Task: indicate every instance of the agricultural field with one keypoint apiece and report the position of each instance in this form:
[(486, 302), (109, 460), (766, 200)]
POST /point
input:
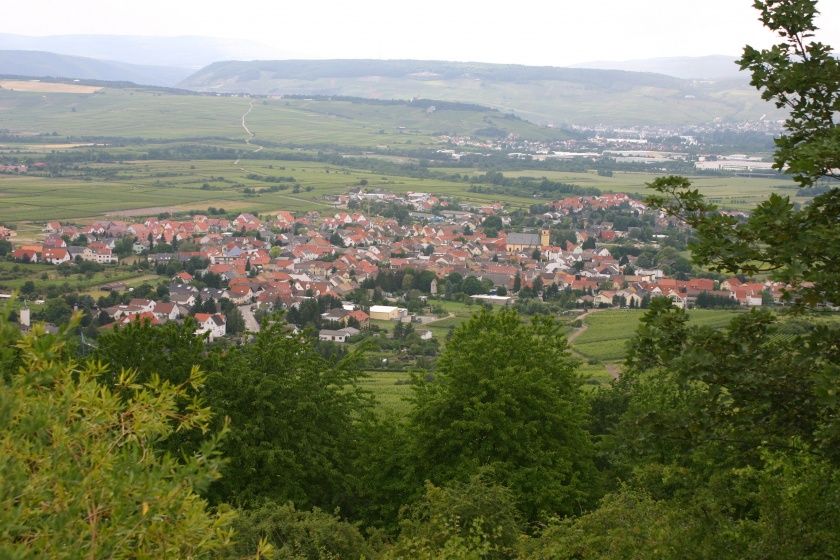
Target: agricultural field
[(151, 114), (738, 193), (608, 331), (151, 187), (14, 275), (148, 187), (390, 389)]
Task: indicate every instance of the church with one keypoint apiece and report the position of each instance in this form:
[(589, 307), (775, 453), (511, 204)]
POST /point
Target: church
[(517, 242)]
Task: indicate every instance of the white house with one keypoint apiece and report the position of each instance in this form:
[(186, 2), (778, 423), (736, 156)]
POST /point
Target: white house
[(340, 335), (215, 325)]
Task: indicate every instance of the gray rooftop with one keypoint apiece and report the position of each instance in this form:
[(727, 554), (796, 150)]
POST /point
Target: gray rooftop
[(523, 239)]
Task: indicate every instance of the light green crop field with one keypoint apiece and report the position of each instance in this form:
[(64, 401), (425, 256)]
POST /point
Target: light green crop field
[(608, 331), (390, 389)]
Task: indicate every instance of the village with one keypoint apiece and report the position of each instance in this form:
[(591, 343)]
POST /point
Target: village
[(279, 261)]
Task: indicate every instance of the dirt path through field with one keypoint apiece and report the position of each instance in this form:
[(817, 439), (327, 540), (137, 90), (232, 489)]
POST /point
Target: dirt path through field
[(584, 327), (612, 368), (249, 135), (250, 143)]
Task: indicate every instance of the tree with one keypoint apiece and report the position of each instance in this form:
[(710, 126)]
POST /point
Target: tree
[(28, 288), (517, 283), (335, 239), (589, 243), (169, 352), (537, 285), (798, 246), (479, 515), (506, 398), (296, 535), (728, 441), (124, 247), (293, 418), (472, 286), (80, 474), (235, 322)]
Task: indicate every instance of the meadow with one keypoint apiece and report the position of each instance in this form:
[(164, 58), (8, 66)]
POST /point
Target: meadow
[(132, 122), (390, 390)]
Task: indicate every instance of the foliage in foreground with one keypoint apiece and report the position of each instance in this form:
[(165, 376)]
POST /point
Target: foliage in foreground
[(79, 470)]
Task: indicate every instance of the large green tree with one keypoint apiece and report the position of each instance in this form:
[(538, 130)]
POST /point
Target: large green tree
[(293, 421), (506, 397)]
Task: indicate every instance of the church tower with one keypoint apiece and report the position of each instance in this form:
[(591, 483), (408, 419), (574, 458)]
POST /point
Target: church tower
[(545, 237)]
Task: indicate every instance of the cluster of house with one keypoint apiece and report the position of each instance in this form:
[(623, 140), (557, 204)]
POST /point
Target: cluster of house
[(282, 259), (179, 305), (55, 250)]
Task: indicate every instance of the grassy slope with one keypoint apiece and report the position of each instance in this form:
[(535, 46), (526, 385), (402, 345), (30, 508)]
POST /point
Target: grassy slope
[(138, 114), (538, 94)]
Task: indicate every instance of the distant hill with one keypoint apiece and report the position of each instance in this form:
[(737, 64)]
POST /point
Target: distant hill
[(182, 52), (714, 67), (545, 95), (121, 110), (42, 64)]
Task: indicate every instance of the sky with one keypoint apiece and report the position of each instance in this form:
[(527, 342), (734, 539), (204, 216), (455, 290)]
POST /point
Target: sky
[(544, 32)]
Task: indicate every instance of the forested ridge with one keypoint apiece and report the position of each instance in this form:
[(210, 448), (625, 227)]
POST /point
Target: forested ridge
[(719, 444)]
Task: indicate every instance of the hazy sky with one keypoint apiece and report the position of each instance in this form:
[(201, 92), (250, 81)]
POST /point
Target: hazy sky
[(550, 32)]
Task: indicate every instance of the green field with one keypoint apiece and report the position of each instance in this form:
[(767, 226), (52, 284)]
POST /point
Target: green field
[(741, 193), (128, 113), (569, 97), (608, 331), (148, 120), (390, 389), (150, 187), (14, 275)]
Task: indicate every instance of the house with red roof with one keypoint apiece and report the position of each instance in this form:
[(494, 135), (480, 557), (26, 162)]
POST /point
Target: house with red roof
[(214, 325), (55, 255)]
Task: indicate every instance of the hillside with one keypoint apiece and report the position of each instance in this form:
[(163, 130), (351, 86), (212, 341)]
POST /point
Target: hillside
[(129, 112), (713, 67), (546, 95), (181, 52), (40, 63)]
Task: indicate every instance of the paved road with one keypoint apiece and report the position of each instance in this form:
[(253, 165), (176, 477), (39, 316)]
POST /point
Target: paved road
[(251, 323)]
